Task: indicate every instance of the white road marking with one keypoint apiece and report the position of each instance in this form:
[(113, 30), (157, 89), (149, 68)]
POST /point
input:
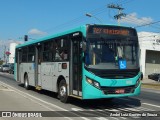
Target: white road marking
[(100, 112), (141, 108), (131, 109), (78, 109), (112, 110), (6, 90), (115, 110), (151, 105), (101, 118), (104, 114)]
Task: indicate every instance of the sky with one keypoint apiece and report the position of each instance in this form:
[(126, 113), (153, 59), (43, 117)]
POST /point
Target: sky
[(39, 18)]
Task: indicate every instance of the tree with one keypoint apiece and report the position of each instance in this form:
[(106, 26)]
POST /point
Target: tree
[(1, 62)]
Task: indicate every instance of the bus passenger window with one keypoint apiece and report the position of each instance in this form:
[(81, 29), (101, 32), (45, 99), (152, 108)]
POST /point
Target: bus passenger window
[(64, 55), (32, 58), (57, 55)]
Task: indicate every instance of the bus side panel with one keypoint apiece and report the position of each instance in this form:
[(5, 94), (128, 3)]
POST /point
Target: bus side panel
[(46, 75), (50, 72), (19, 75), (21, 72), (39, 75), (29, 69), (15, 72), (59, 71)]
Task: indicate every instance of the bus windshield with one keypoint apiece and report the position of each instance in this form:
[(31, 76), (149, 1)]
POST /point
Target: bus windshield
[(108, 53)]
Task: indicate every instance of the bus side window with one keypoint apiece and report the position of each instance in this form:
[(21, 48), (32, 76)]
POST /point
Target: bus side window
[(24, 54), (64, 55), (56, 49), (57, 55), (47, 53), (60, 50)]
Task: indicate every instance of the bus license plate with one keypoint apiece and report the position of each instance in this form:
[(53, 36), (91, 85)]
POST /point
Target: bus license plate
[(119, 91)]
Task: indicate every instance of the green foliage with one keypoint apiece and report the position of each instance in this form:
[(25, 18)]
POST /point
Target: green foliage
[(1, 62)]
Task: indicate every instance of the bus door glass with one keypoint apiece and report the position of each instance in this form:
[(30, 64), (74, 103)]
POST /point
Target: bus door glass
[(76, 65), (38, 64), (19, 60)]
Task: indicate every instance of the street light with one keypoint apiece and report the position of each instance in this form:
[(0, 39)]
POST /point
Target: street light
[(89, 15)]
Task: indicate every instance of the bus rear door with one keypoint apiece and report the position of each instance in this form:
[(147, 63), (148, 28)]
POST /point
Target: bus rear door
[(38, 67), (19, 60)]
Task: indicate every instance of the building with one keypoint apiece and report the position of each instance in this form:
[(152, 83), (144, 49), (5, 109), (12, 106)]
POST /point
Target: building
[(149, 52), (12, 51)]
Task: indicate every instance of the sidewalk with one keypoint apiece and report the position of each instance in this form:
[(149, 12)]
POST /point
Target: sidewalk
[(146, 80), (150, 84)]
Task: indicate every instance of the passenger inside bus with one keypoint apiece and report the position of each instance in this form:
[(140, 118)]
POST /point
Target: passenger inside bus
[(57, 55), (120, 52), (61, 55), (64, 55)]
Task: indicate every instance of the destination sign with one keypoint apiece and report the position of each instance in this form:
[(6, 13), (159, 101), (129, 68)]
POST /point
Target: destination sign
[(111, 30)]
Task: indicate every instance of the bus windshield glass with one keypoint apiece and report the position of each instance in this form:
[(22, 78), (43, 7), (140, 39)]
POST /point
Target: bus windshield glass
[(112, 53)]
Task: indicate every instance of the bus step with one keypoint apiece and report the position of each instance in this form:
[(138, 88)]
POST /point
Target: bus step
[(75, 96), (38, 88)]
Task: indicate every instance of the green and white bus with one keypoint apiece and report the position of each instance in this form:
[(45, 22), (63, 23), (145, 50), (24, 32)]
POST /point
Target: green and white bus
[(88, 62)]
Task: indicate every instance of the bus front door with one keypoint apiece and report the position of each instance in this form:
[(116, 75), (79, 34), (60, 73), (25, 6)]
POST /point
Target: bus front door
[(38, 67), (76, 66)]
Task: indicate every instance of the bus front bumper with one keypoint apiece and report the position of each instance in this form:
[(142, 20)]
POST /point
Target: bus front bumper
[(91, 92)]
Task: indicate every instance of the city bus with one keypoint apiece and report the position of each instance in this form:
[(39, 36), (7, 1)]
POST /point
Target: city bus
[(87, 62)]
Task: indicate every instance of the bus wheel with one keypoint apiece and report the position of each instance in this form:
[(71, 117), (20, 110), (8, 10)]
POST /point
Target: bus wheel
[(63, 94), (26, 82)]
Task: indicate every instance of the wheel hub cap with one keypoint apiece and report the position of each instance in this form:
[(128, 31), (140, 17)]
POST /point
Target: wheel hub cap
[(63, 91)]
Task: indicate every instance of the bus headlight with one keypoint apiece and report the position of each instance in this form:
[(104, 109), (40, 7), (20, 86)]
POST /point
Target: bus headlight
[(93, 83), (138, 81)]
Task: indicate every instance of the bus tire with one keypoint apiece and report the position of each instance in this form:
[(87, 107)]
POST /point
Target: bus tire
[(62, 92), (26, 82)]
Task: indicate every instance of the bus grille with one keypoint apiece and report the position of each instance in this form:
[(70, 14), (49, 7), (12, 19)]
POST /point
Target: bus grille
[(119, 75), (113, 90), (116, 74)]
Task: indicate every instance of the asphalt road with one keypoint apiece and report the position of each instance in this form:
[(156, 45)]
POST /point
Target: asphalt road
[(16, 98)]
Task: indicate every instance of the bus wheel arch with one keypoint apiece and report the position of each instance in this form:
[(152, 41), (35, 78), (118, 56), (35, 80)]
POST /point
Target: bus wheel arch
[(62, 90), (26, 81)]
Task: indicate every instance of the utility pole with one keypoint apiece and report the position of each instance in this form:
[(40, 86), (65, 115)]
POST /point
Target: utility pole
[(120, 14), (5, 54)]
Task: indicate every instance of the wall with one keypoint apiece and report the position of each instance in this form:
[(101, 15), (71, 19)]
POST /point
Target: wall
[(149, 48), (12, 51)]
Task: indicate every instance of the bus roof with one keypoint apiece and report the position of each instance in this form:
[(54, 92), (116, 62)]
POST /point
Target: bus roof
[(80, 28)]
